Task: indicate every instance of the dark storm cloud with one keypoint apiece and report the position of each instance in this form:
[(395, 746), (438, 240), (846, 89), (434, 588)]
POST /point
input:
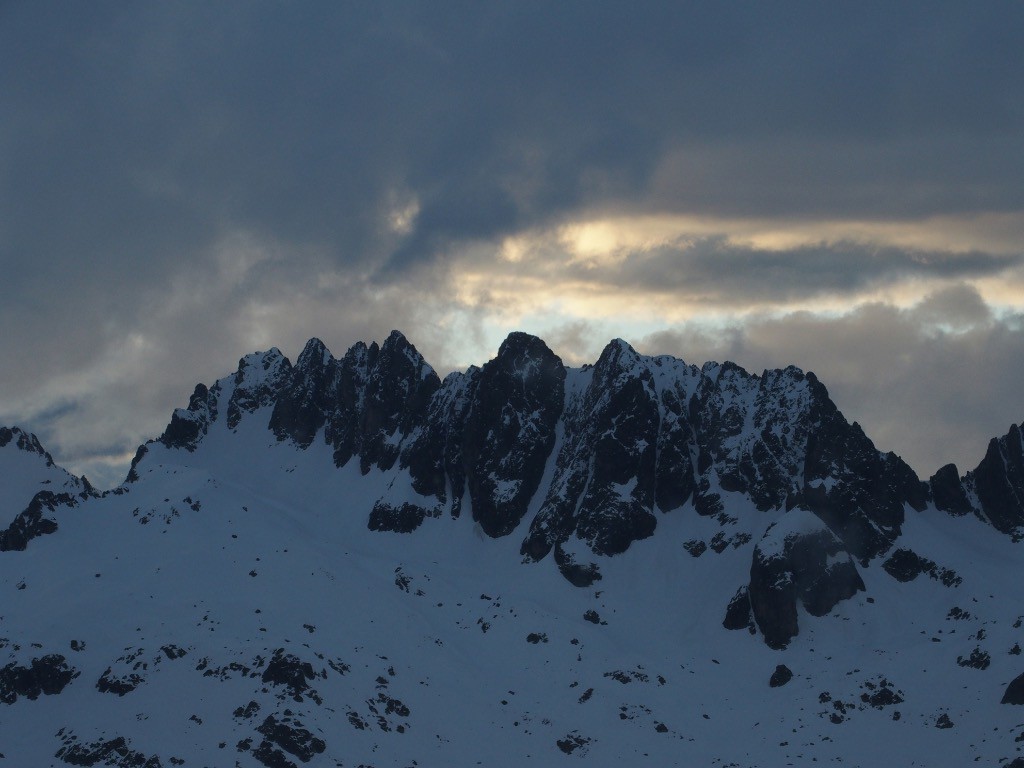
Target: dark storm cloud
[(137, 139), (138, 131), (712, 269), (931, 394)]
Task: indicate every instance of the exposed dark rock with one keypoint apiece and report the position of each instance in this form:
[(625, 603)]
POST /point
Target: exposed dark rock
[(882, 697), (292, 673), (365, 404), (24, 441), (858, 491), (288, 734), (948, 491), (739, 615), (798, 559), (577, 574), (572, 742), (753, 451), (133, 473), (399, 387), (603, 487), (173, 652), (189, 425), (695, 547), (1014, 691), (943, 721), (248, 711), (110, 752), (257, 384), (404, 518), (510, 430), (306, 395), (708, 504), (31, 522), (674, 480), (906, 565), (436, 452), (110, 682), (978, 659), (780, 676), (48, 675), (342, 429), (998, 482)]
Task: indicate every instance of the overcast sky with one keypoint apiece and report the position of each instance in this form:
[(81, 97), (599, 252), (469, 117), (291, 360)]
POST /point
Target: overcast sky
[(832, 185)]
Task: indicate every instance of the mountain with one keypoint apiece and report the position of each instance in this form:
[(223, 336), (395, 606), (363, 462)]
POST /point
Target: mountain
[(350, 561)]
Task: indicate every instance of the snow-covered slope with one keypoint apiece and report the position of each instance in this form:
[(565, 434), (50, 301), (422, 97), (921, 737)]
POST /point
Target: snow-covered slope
[(351, 562), (31, 488)]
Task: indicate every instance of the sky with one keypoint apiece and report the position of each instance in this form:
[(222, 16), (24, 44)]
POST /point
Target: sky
[(831, 185)]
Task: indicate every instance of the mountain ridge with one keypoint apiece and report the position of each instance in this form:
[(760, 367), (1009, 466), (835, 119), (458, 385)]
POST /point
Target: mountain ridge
[(689, 503)]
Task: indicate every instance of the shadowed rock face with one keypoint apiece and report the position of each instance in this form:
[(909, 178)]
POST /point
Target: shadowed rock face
[(998, 483), (257, 383), (994, 490), (24, 441), (510, 430), (604, 483), (189, 425), (396, 397), (798, 559), (1014, 691), (48, 675), (948, 492), (858, 491), (305, 396), (32, 522)]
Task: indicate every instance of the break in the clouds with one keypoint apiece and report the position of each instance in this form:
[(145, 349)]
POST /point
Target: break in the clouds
[(183, 183)]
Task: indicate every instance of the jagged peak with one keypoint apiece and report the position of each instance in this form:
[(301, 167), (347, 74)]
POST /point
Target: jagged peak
[(520, 349), (730, 370), (256, 366), (261, 359), (618, 358), (23, 440), (396, 338), (769, 375), (359, 355), (619, 349), (397, 346), (314, 355), (518, 340), (199, 399)]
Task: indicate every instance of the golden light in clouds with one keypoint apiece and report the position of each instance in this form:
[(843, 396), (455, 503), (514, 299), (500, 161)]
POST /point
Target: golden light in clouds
[(998, 234), (577, 271)]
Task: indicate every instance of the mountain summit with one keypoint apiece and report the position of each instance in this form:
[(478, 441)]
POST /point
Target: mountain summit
[(348, 560)]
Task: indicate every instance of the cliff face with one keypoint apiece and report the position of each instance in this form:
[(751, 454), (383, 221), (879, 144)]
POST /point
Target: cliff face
[(994, 490)]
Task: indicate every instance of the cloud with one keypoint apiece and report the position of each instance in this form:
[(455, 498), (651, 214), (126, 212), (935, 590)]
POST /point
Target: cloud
[(714, 270), (934, 382), (181, 183)]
